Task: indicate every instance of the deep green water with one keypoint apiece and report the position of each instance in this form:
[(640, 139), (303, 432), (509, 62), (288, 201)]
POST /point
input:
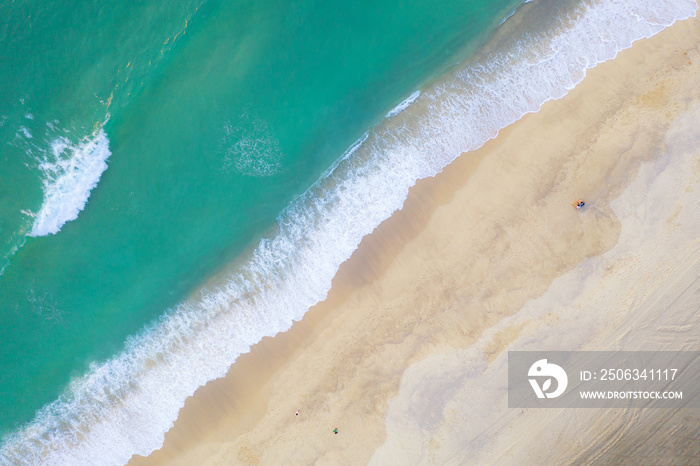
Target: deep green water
[(220, 114)]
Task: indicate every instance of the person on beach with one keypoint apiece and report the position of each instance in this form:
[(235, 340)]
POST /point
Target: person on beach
[(335, 431), (578, 204), (297, 412)]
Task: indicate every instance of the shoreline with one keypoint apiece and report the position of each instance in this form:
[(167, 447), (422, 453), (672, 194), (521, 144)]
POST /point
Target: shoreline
[(369, 262), (394, 304)]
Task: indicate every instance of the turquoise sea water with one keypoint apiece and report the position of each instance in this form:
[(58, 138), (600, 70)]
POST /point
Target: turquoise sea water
[(146, 147), (217, 114)]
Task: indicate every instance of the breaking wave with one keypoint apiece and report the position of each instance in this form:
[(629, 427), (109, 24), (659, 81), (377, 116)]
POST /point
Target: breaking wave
[(403, 105), (71, 172)]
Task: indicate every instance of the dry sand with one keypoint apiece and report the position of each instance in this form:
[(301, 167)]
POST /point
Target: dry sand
[(407, 357)]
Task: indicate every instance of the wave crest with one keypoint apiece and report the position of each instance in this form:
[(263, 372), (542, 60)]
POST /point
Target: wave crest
[(70, 174), (403, 105)]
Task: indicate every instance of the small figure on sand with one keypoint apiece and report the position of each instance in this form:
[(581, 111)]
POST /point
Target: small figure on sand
[(578, 204), (335, 431), (297, 412)]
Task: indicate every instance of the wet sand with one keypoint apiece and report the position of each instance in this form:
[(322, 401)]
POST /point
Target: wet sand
[(407, 356)]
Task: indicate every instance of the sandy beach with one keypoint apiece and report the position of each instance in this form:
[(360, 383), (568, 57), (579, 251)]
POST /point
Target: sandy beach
[(407, 357)]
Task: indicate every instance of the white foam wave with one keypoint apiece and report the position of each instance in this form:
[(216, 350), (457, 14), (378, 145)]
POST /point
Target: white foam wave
[(23, 131), (125, 406), (509, 15), (403, 105), (70, 174)]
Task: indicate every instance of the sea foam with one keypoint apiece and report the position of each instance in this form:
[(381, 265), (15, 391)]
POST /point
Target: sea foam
[(69, 175), (125, 405), (250, 147), (403, 105)]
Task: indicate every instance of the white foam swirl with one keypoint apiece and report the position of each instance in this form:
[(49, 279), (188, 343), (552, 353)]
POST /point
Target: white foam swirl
[(125, 406), (250, 147), (70, 174)]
